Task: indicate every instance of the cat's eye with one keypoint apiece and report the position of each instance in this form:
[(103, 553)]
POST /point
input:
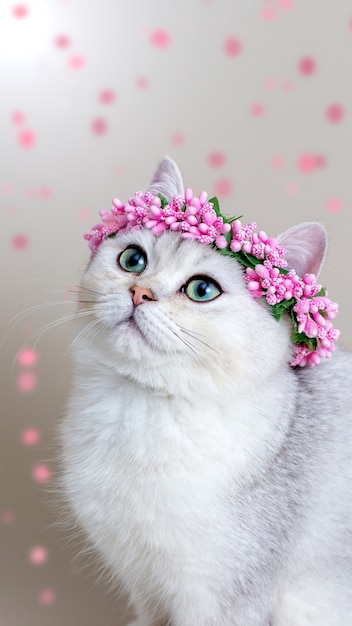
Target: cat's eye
[(133, 259), (202, 289)]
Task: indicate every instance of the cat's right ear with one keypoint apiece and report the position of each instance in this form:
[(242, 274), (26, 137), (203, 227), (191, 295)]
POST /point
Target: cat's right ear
[(305, 246), (167, 180)]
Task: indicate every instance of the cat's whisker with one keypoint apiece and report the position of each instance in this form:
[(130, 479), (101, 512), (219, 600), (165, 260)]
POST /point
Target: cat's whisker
[(37, 335), (187, 343), (37, 307), (85, 331), (191, 334)]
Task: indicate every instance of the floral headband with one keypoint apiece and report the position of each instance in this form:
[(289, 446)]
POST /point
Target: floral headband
[(266, 275)]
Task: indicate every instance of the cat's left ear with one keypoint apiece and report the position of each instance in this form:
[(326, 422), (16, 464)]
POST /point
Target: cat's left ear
[(305, 246), (167, 180)]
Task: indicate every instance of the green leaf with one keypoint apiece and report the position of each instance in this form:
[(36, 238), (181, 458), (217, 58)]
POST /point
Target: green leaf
[(281, 307), (216, 206), (321, 293), (163, 200)]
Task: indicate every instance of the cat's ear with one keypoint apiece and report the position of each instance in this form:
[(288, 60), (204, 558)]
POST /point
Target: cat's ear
[(167, 180), (305, 246)]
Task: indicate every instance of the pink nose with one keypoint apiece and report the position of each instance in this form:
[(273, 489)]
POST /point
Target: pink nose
[(141, 294)]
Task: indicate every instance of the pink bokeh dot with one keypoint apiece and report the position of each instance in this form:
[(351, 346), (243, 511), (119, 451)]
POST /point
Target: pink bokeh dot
[(269, 82), (45, 192), (107, 96), (20, 241), (223, 187), (306, 163), (38, 555), (287, 85), (292, 188), (160, 38), (307, 66), (320, 160), (335, 113), (142, 82), (233, 46), (20, 11), (277, 162), (26, 139), (17, 117), (286, 5), (30, 436), (268, 14), (62, 41), (216, 159), (257, 109), (178, 139), (41, 473), (334, 205), (27, 357), (47, 597), (99, 126), (77, 62), (84, 215), (26, 382), (7, 517)]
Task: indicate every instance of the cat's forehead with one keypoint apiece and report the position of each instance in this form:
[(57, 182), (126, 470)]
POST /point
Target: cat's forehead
[(169, 250)]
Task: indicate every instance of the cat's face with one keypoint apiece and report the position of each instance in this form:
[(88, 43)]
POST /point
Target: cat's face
[(168, 308)]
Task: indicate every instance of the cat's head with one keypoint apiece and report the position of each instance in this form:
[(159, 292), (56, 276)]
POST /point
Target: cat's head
[(166, 311)]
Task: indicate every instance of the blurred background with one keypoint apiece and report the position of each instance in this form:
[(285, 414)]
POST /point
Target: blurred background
[(252, 98)]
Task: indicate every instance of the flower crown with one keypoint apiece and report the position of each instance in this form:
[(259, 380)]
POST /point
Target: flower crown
[(266, 271)]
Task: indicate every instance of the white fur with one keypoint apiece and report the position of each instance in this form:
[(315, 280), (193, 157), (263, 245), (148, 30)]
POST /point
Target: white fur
[(172, 447)]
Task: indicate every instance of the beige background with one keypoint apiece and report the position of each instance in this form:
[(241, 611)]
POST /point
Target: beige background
[(251, 97)]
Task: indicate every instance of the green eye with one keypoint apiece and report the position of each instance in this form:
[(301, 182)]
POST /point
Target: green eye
[(202, 289), (133, 260)]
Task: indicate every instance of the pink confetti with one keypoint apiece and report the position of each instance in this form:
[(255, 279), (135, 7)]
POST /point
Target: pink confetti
[(30, 437), (268, 14), (292, 189), (335, 113), (84, 215), (17, 117), (269, 82), (41, 473), (62, 41), (142, 82), (334, 205), (178, 139), (47, 597), (38, 555), (26, 382), (99, 126), (26, 139), (77, 62), (20, 242), (277, 162), (7, 517), (320, 160), (107, 96), (223, 187), (216, 159), (307, 66), (233, 47), (160, 38), (27, 357), (20, 11), (257, 109), (306, 163), (45, 193)]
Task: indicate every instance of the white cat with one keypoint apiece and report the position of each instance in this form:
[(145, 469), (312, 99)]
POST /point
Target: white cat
[(213, 479)]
